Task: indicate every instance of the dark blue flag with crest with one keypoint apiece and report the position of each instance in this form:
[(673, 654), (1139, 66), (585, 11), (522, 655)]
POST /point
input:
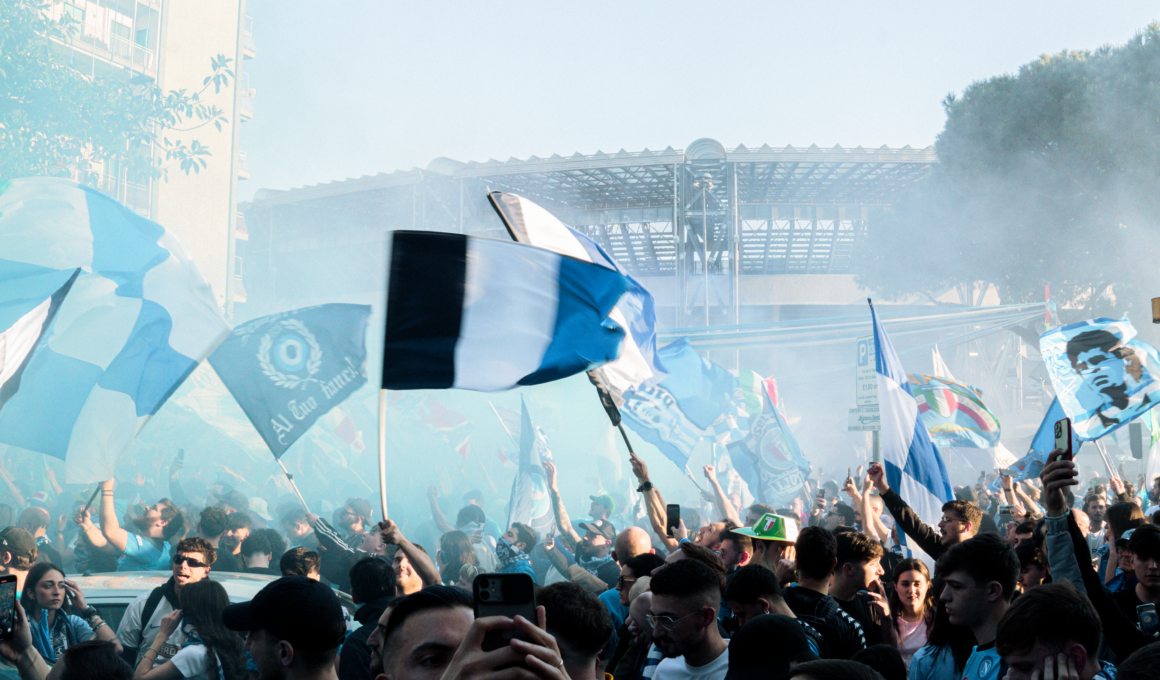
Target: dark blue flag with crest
[(288, 370)]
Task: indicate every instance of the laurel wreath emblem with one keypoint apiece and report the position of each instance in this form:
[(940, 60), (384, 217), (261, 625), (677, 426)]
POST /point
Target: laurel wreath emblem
[(313, 362)]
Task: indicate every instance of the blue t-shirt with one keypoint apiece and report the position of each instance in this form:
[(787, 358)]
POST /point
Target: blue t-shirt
[(984, 664), (142, 555), (519, 567), (618, 612)]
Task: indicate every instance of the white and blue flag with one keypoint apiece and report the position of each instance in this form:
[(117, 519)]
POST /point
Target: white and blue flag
[(137, 320), (487, 315), (638, 363), (913, 465)]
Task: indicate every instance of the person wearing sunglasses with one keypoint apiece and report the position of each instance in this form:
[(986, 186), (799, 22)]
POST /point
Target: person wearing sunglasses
[(686, 596), (192, 559)]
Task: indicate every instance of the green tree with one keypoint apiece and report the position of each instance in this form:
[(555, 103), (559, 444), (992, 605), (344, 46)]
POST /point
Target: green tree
[(56, 121), (1046, 177)]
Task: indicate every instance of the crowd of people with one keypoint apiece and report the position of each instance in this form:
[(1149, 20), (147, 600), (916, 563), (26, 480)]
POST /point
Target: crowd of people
[(1035, 580)]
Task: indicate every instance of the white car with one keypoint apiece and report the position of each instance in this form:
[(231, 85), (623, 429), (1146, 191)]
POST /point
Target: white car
[(112, 592)]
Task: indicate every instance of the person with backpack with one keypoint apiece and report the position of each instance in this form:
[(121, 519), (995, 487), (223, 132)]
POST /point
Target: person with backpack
[(192, 560), (210, 651)]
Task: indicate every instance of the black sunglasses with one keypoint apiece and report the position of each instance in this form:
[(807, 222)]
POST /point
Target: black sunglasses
[(196, 564)]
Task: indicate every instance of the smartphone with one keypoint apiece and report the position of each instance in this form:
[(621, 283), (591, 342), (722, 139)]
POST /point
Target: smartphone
[(673, 512), (1063, 437), (1149, 622), (503, 595), (7, 606), (1006, 510)]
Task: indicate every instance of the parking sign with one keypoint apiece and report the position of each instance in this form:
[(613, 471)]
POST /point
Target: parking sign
[(866, 384)]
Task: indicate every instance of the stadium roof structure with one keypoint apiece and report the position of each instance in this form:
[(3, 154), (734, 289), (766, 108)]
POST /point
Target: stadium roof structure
[(687, 213)]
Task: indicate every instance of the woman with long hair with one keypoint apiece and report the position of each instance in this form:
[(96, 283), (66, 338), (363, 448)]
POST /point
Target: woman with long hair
[(455, 550), (912, 602), (46, 598), (211, 651)]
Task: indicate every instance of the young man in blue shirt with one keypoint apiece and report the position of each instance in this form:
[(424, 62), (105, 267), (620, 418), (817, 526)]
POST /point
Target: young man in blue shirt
[(980, 576)]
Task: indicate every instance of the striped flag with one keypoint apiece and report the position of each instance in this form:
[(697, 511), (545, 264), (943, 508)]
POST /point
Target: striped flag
[(913, 465), (21, 338), (638, 362), (134, 325), (485, 315)]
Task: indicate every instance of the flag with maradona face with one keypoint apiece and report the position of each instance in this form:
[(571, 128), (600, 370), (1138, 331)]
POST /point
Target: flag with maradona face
[(1103, 377)]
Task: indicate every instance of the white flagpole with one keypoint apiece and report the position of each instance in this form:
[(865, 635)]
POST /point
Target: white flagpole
[(290, 478), (383, 450), (1107, 461)]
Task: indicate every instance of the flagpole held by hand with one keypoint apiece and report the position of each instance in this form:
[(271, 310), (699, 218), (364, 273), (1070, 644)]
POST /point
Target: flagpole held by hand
[(383, 450)]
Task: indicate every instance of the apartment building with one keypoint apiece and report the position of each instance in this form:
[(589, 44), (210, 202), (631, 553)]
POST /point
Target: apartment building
[(173, 42)]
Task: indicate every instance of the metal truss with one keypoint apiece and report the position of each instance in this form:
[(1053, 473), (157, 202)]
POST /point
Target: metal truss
[(700, 213)]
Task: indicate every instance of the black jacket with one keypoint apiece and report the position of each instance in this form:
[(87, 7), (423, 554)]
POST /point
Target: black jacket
[(928, 538), (356, 656)]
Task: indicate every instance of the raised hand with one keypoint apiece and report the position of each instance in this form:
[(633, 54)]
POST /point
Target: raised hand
[(390, 532), (1056, 476), (550, 472), (710, 472), (877, 474), (639, 468)]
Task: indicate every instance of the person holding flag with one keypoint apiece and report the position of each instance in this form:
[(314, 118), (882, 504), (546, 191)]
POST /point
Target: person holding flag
[(148, 548), (960, 520)]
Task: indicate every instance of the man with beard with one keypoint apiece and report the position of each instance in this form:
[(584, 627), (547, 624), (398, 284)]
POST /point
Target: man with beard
[(413, 567), (960, 520), (513, 550), (686, 596), (417, 636), (148, 549), (595, 569), (353, 517), (1096, 506), (192, 560)]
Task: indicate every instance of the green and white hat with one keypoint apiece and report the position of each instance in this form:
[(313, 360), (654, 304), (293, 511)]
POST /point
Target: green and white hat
[(771, 527)]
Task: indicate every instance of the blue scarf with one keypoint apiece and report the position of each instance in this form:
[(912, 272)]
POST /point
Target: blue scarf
[(42, 637), (507, 554)]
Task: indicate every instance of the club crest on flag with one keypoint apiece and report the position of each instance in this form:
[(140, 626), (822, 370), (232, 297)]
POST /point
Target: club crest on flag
[(289, 354), (1102, 376)]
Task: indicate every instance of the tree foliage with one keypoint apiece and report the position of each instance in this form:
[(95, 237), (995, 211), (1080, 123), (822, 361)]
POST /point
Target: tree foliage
[(1046, 177), (57, 121)]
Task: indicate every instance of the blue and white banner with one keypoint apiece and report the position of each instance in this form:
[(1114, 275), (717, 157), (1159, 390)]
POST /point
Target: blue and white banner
[(679, 411), (913, 465), (638, 363), (530, 502), (288, 370), (1043, 443), (768, 457), (1103, 378), (486, 315), (18, 340), (136, 322)]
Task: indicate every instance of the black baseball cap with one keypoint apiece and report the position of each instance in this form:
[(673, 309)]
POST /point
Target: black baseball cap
[(300, 610)]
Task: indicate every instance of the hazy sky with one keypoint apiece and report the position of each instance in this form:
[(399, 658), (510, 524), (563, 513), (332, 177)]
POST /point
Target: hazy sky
[(366, 86)]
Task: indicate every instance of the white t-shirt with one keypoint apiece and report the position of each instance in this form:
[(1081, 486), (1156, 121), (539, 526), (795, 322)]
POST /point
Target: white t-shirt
[(677, 669), (193, 662)]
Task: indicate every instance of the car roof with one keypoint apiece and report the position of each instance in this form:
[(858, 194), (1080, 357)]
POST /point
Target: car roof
[(125, 586)]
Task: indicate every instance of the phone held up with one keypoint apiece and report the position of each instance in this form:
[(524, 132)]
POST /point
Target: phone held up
[(503, 595), (1149, 622), (673, 512), (7, 606), (1063, 438)]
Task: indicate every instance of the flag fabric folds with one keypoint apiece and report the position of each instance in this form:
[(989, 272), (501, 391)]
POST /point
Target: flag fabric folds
[(913, 465), (638, 362), (486, 315), (680, 410), (530, 502), (1103, 377), (287, 370), (19, 340), (954, 413), (135, 323), (1043, 443), (768, 457)]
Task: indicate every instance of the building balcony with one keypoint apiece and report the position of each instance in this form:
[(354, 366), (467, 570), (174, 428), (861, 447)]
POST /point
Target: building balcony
[(239, 293), (246, 103), (249, 49), (243, 166), (241, 232)]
